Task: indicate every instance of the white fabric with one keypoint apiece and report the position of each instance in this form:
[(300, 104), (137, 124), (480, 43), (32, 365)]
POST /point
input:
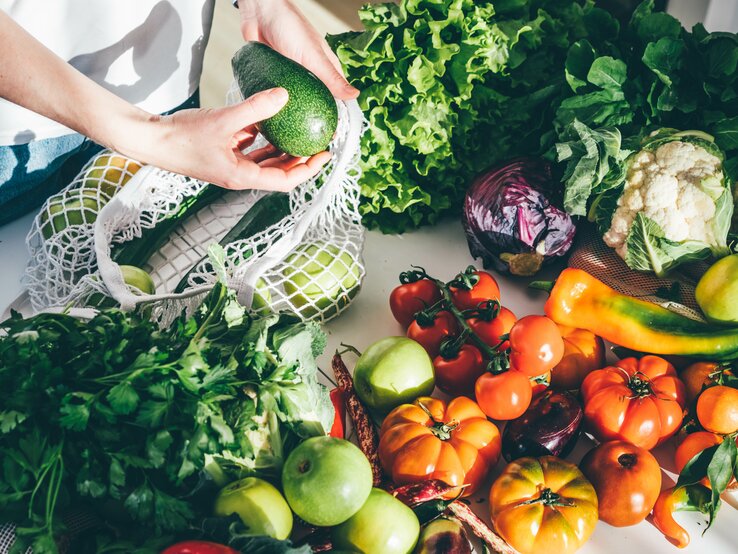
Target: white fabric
[(148, 52)]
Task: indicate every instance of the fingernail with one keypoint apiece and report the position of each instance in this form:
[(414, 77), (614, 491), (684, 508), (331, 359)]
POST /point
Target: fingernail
[(279, 94)]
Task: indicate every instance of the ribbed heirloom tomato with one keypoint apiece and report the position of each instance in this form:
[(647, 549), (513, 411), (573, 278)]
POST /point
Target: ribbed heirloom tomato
[(543, 506), (583, 353), (639, 401), (429, 439), (627, 479)]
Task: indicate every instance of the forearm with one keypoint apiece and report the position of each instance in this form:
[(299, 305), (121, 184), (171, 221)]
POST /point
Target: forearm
[(35, 78)]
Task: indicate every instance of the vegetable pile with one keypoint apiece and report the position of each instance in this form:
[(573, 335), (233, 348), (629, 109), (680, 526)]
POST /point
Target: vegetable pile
[(115, 412)]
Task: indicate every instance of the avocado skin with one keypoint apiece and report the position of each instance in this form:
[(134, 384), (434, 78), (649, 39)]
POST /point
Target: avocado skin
[(307, 123)]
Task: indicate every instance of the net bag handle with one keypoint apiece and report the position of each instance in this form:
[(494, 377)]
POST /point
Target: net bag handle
[(246, 275)]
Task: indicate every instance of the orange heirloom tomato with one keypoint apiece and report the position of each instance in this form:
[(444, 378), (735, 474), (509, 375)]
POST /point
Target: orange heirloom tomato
[(543, 505), (429, 439), (717, 409), (583, 353), (536, 346), (639, 401)]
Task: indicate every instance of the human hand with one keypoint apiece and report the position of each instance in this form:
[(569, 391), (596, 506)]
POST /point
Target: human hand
[(282, 26), (206, 144)]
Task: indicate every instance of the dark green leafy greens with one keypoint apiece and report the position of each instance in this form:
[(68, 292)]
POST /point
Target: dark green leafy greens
[(451, 87), (116, 414), (651, 74)]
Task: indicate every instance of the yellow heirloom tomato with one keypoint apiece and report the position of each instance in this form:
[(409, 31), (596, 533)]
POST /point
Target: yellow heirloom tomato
[(543, 505)]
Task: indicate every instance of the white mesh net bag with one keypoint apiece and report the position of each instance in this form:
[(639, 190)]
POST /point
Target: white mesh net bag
[(307, 262)]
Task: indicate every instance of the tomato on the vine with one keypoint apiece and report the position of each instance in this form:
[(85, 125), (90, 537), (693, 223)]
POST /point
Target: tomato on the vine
[(536, 345), (409, 298), (505, 395), (490, 331), (639, 401), (471, 288), (430, 334), (457, 375)]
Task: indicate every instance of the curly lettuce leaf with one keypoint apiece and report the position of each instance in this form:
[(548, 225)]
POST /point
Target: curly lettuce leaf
[(449, 89)]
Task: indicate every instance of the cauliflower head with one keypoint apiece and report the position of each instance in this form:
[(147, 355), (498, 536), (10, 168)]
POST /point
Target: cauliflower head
[(674, 204)]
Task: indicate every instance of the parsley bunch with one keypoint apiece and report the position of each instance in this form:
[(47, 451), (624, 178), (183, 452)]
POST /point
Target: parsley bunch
[(126, 419)]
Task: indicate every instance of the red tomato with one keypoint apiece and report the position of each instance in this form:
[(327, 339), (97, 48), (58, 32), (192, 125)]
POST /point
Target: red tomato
[(409, 298), (503, 396), (457, 376), (639, 401), (491, 331), (338, 399), (484, 289), (199, 547), (536, 345), (430, 337)]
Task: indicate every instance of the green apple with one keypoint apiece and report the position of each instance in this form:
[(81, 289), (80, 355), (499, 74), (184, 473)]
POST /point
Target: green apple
[(383, 525), (326, 480), (717, 291), (319, 277), (260, 506), (262, 299), (138, 278), (393, 371)]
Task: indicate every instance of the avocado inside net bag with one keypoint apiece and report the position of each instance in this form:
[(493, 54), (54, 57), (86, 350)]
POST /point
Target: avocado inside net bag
[(300, 254)]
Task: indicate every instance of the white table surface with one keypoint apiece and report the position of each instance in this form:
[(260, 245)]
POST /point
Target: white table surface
[(442, 251)]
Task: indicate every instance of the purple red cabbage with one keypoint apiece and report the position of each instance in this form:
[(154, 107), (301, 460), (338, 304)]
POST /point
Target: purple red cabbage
[(513, 219)]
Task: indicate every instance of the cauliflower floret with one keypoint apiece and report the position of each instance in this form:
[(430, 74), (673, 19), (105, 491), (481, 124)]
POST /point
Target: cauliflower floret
[(667, 186)]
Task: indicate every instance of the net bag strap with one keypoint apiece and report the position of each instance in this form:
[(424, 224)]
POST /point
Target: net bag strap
[(246, 275), (127, 205)]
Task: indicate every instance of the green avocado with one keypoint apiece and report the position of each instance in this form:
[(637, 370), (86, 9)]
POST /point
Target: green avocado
[(307, 123)]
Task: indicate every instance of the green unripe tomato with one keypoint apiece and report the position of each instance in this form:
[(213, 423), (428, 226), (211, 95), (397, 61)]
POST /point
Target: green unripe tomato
[(717, 291), (393, 371)]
